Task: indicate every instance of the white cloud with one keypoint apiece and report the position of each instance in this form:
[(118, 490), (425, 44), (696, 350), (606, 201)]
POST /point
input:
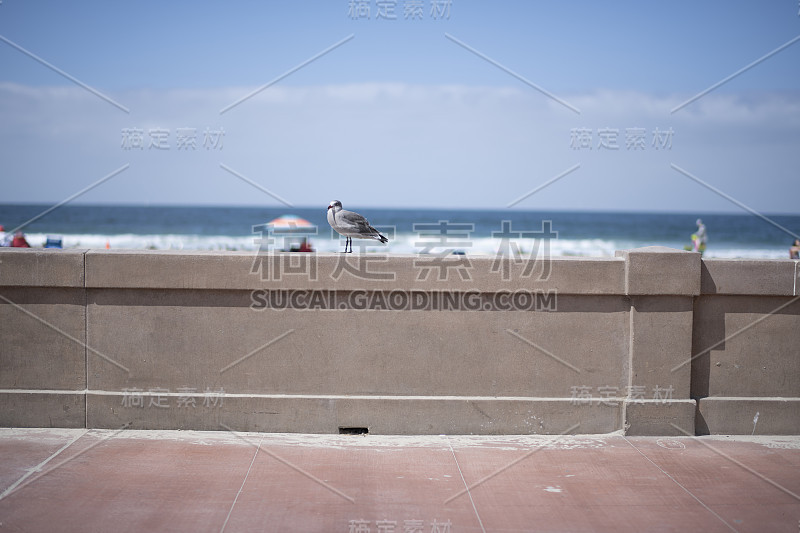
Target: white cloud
[(396, 144)]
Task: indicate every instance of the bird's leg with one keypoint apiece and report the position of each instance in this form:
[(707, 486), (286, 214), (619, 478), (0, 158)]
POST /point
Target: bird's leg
[(350, 241)]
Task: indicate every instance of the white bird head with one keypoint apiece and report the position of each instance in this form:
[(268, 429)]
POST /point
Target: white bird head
[(336, 205)]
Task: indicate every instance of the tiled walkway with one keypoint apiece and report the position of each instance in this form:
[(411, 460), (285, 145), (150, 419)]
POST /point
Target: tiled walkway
[(101, 480)]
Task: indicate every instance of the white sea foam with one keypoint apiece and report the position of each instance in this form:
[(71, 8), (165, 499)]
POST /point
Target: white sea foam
[(400, 244)]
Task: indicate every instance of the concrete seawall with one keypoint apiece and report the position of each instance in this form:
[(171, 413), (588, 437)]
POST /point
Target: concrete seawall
[(653, 341)]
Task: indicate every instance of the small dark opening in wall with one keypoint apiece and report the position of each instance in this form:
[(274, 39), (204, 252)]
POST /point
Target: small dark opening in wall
[(353, 431)]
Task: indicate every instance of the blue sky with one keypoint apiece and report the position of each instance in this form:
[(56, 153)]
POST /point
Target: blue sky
[(400, 114)]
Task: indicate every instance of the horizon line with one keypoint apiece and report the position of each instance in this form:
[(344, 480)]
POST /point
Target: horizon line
[(498, 208)]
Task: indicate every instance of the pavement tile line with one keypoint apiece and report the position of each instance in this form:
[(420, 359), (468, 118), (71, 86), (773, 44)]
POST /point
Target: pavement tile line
[(707, 508), (455, 459), (247, 474), (28, 447), (541, 445), (29, 478), (741, 465), (39, 467), (291, 465)]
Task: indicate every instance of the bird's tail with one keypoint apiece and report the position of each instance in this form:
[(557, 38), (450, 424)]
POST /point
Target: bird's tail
[(375, 234)]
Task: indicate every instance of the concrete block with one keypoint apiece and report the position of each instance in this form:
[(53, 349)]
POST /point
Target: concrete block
[(43, 409), (748, 416), (746, 346), (191, 339), (26, 267), (662, 271), (340, 350), (375, 415), (212, 413), (478, 416), (565, 275), (286, 271), (661, 345), (655, 417), (43, 332), (149, 269), (761, 277)]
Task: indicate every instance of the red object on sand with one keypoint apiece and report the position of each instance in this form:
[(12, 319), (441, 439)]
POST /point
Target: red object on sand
[(19, 241)]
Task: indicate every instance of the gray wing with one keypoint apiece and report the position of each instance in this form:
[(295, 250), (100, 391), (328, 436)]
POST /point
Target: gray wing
[(354, 222)]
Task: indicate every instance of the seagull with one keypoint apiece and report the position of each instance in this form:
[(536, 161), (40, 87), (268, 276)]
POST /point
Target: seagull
[(351, 224)]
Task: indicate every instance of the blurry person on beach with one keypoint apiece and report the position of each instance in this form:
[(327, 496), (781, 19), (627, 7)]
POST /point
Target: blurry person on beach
[(305, 246), (19, 241), (699, 239), (5, 238), (794, 251)]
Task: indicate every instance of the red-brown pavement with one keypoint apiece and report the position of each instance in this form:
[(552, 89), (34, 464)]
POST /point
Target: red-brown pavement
[(104, 480)]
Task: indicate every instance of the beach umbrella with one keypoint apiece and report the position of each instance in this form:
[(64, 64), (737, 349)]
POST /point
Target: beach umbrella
[(289, 222), (294, 230)]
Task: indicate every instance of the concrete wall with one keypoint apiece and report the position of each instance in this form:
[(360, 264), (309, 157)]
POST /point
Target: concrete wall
[(746, 341), (653, 341)]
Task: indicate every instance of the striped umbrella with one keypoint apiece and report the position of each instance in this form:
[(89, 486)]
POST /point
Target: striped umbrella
[(289, 222)]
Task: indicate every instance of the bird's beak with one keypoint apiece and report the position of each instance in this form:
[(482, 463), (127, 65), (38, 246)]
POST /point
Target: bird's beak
[(330, 206)]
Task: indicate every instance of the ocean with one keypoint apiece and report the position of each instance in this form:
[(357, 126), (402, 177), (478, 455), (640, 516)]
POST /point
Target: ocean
[(572, 233)]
